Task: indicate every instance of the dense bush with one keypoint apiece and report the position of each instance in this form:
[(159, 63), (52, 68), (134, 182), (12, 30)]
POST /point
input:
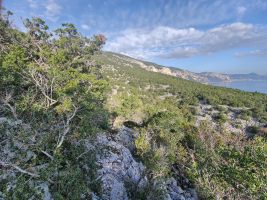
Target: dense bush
[(51, 98)]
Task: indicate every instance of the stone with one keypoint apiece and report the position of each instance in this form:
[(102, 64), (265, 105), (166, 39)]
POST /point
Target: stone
[(45, 189)]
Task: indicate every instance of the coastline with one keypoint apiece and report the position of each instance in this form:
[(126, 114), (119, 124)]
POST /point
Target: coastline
[(245, 85)]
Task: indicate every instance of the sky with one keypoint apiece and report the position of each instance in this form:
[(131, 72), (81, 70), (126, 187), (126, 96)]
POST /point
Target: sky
[(227, 36)]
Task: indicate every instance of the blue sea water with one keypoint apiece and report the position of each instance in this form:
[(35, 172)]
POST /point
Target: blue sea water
[(250, 86)]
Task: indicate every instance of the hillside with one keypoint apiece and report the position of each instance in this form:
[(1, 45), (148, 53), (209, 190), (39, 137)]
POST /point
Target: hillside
[(203, 77), (125, 73), (195, 124), (79, 123)]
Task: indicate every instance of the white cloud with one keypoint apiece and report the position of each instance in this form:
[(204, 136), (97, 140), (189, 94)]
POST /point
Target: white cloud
[(52, 10), (155, 38), (168, 42), (85, 27)]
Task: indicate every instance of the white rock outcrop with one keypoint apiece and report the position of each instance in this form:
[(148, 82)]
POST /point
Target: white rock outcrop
[(117, 167)]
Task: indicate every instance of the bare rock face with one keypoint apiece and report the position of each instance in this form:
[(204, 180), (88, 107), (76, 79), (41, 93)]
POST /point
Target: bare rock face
[(117, 168), (121, 175)]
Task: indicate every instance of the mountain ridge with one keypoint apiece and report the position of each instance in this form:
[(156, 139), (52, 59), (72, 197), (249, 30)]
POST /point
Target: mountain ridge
[(203, 77)]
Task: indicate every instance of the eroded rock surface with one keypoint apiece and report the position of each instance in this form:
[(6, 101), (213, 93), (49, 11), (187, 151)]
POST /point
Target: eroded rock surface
[(121, 175), (117, 168)]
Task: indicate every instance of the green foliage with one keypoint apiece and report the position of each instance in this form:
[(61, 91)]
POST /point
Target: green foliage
[(225, 167), (158, 142), (245, 169), (52, 98), (221, 118), (245, 114), (130, 103)]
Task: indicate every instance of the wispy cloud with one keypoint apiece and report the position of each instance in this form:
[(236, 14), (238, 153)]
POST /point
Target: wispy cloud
[(85, 27), (168, 42), (260, 4), (241, 10), (52, 9), (257, 52), (171, 13), (32, 3), (49, 9)]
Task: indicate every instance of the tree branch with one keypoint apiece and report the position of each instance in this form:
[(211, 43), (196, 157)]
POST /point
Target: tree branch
[(47, 154), (39, 84), (18, 169), (67, 127), (6, 101)]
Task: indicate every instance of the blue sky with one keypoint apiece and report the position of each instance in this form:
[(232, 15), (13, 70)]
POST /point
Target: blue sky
[(228, 36)]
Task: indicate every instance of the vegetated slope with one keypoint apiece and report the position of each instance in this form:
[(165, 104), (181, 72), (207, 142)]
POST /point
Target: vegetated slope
[(191, 131), (63, 105), (129, 74), (203, 77)]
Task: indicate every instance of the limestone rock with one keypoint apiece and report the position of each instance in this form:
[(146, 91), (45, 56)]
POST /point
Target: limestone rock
[(117, 167)]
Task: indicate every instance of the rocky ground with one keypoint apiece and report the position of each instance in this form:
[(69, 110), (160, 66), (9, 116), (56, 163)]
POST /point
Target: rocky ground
[(233, 124), (123, 176)]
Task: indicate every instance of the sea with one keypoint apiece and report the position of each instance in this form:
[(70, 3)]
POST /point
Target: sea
[(249, 86)]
